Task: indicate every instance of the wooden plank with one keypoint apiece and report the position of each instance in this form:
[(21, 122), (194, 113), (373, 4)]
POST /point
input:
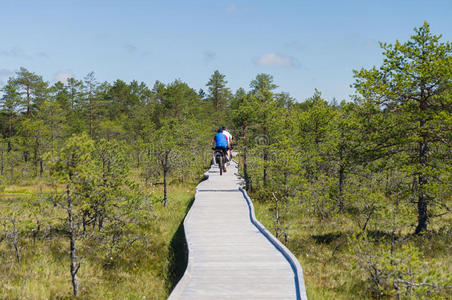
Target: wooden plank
[(229, 256)]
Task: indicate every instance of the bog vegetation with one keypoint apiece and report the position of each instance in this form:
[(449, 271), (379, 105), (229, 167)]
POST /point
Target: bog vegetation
[(97, 177)]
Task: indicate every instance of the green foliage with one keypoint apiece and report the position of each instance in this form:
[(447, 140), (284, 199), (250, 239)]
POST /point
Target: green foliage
[(371, 168), (86, 144), (408, 96), (344, 185), (73, 164), (32, 89), (219, 94), (400, 270)]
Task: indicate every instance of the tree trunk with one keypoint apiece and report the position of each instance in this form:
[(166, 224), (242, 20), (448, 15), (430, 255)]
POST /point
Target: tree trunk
[(265, 158), (74, 265), (36, 231), (245, 164), (422, 208), (72, 98), (15, 241), (165, 171), (341, 173), (101, 221), (41, 167), (10, 131), (217, 101), (35, 160), (265, 167), (84, 222), (28, 101), (277, 221), (90, 115), (341, 187), (3, 164)]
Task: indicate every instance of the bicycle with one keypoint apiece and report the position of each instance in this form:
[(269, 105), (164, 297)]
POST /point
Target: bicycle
[(220, 158)]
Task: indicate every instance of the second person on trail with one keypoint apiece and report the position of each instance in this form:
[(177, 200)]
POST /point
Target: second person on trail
[(230, 141), (221, 142)]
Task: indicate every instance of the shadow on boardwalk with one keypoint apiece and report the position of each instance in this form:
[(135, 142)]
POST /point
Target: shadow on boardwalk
[(178, 252)]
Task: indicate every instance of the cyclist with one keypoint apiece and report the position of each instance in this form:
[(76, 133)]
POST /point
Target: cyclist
[(221, 142), (229, 136)]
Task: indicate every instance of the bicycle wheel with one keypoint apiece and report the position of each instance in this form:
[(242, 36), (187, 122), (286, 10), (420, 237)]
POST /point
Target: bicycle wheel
[(220, 164)]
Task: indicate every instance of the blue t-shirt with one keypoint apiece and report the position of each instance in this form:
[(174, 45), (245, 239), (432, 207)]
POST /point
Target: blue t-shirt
[(221, 140)]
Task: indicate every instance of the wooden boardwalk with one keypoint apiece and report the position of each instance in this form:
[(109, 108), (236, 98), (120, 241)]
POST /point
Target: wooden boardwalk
[(230, 256)]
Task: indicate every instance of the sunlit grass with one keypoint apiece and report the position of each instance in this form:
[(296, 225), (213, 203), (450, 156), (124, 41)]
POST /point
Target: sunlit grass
[(30, 189), (43, 272), (322, 248)]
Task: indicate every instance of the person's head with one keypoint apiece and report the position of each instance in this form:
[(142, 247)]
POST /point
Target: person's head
[(219, 130), (223, 128)]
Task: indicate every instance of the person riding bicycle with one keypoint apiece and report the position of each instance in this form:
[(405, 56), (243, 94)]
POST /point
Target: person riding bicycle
[(229, 136), (221, 142)]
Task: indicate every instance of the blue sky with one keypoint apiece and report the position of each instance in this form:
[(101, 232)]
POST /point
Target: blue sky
[(303, 44)]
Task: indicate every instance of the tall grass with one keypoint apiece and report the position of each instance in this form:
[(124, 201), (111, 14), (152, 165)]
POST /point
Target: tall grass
[(329, 267), (146, 271)]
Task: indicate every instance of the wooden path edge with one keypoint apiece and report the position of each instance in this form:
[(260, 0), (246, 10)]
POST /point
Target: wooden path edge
[(291, 259), (177, 291)]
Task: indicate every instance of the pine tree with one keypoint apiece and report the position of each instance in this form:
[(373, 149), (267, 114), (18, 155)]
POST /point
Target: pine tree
[(409, 89), (219, 94)]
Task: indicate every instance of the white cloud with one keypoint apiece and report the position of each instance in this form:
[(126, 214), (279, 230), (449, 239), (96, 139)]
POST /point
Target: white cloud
[(63, 76), (272, 59)]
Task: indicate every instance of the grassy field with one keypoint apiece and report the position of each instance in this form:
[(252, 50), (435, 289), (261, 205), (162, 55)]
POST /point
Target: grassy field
[(150, 271), (330, 269), (147, 271)]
